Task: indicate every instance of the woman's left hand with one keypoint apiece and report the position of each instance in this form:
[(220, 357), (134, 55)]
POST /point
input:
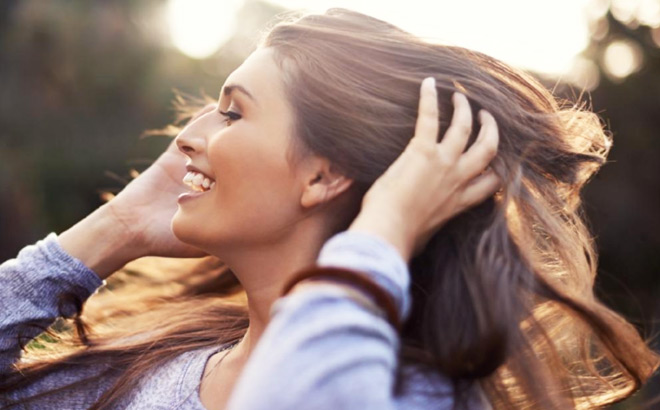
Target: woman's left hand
[(431, 181)]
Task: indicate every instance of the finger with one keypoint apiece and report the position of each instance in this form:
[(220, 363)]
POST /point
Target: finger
[(459, 130), (427, 127), (484, 149), (480, 188)]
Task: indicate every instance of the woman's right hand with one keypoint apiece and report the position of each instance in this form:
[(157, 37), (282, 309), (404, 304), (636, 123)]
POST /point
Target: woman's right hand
[(136, 222)]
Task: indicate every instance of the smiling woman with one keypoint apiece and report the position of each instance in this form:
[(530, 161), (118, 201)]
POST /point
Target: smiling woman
[(242, 141), (403, 219)]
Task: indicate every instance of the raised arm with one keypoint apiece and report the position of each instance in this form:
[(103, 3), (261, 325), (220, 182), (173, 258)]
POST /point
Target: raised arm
[(325, 348), (41, 284), (136, 222), (54, 277)]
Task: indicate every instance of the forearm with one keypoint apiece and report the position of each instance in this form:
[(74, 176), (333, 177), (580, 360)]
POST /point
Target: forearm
[(327, 345), (321, 348), (42, 283), (100, 242)]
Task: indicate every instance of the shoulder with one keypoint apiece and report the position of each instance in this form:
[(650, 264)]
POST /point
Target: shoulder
[(176, 381)]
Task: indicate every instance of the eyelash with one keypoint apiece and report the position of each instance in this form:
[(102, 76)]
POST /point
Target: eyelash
[(231, 116)]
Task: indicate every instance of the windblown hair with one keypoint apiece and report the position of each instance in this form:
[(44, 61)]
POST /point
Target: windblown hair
[(502, 294)]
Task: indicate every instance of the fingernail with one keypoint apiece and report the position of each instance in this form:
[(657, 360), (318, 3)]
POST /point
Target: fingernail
[(429, 82)]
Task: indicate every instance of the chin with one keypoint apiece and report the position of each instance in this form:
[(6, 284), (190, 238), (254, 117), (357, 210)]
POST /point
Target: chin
[(192, 231), (180, 229)]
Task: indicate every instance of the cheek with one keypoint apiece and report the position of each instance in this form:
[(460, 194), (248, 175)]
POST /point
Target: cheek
[(256, 189)]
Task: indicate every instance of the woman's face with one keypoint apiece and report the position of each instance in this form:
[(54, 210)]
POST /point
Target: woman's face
[(254, 195)]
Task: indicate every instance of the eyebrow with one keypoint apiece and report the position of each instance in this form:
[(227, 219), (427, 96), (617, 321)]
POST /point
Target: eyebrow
[(228, 89)]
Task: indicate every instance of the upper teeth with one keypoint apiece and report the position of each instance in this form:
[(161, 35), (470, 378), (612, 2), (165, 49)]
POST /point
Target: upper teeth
[(198, 181)]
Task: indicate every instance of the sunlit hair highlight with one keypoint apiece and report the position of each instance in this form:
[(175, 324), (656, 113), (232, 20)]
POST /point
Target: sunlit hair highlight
[(502, 295)]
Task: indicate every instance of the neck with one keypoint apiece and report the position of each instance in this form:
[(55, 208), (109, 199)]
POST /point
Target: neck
[(263, 270)]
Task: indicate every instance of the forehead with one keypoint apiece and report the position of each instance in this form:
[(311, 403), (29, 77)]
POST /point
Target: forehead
[(260, 75)]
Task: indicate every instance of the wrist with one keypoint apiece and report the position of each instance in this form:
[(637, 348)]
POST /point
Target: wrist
[(101, 242), (393, 229), (355, 284)]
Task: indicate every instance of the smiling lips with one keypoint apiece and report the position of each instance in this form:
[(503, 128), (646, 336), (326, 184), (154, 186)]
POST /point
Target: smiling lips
[(198, 181)]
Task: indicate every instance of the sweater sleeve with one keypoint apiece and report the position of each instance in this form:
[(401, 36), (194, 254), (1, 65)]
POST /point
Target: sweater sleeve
[(41, 284), (322, 349)]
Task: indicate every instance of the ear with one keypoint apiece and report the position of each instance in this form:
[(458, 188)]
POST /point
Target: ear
[(322, 183)]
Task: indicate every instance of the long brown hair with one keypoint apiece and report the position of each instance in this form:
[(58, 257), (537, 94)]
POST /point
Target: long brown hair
[(502, 295)]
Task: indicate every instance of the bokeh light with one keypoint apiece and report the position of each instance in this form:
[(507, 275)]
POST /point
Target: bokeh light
[(199, 27), (622, 58), (584, 74), (635, 12), (542, 37)]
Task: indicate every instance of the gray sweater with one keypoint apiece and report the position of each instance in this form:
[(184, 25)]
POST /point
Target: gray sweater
[(321, 349)]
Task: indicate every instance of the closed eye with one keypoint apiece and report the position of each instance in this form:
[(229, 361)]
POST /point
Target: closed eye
[(231, 115)]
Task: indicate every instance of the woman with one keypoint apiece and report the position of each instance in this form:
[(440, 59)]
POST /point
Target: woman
[(311, 137)]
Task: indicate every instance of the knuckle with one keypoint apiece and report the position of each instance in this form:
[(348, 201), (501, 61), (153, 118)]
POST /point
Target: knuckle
[(443, 159), (491, 120), (494, 182), (490, 149), (427, 151), (490, 125), (463, 112), (460, 128), (419, 148), (414, 145), (428, 112), (487, 117), (465, 115), (465, 127), (429, 120), (427, 125)]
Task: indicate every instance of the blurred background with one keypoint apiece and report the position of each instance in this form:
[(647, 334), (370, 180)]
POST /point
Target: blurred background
[(81, 81)]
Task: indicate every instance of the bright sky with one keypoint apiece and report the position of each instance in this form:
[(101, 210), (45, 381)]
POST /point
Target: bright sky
[(544, 36), (539, 35)]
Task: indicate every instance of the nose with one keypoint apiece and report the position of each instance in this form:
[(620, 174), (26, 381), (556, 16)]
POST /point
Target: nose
[(187, 145), (190, 141)]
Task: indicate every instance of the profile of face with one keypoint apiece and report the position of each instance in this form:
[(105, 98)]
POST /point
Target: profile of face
[(254, 194)]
